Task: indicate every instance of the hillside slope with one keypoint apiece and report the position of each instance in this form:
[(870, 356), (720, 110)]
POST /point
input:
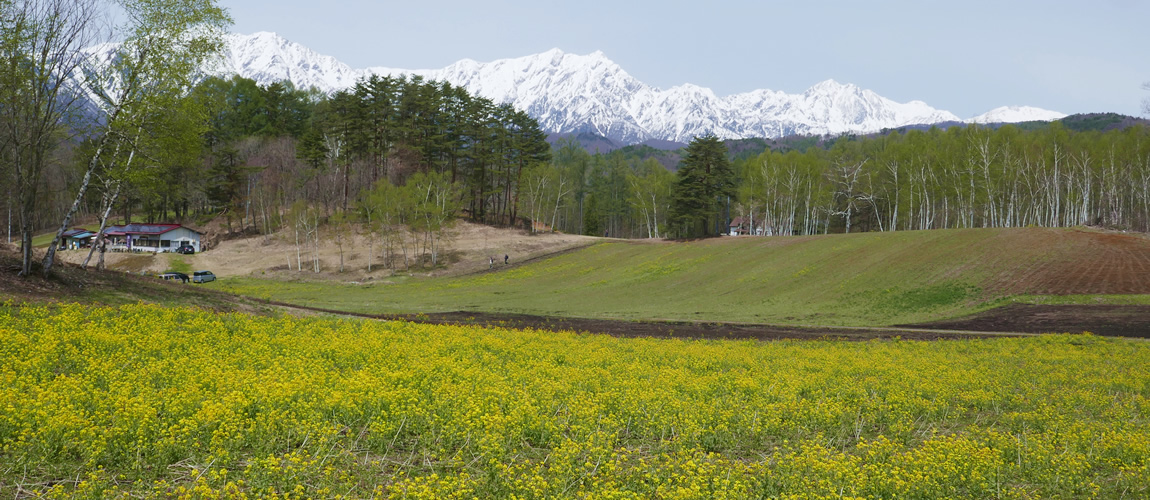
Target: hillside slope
[(858, 279), (71, 284)]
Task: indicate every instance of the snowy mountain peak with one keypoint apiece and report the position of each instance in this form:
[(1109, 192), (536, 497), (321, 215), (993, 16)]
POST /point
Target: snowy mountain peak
[(1016, 114), (271, 36), (554, 56), (591, 93), (827, 86)]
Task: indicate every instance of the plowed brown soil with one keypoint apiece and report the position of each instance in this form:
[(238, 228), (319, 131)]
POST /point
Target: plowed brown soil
[(1076, 262), (663, 329), (1107, 320)]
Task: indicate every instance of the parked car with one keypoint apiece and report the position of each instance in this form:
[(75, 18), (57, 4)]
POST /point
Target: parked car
[(203, 277), (186, 249), (174, 276)]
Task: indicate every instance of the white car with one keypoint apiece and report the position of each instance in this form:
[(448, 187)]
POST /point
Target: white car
[(203, 277)]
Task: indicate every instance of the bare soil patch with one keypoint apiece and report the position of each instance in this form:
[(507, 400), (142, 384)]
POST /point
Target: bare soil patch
[(1082, 261), (1011, 321), (470, 249), (690, 330), (663, 329), (1107, 320)]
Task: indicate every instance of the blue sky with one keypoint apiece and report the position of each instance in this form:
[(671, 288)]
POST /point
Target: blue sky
[(966, 57)]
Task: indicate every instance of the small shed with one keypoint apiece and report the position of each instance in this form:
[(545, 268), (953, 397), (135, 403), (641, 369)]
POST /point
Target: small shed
[(743, 226), (76, 238)]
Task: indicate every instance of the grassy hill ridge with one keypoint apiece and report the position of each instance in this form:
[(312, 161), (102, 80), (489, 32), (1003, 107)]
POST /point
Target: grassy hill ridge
[(867, 279)]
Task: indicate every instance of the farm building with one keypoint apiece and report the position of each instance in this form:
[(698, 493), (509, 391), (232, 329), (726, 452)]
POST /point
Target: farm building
[(151, 237), (76, 238), (743, 225)]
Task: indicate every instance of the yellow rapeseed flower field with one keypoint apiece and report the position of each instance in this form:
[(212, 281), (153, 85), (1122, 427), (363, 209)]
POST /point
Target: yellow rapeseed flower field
[(171, 402)]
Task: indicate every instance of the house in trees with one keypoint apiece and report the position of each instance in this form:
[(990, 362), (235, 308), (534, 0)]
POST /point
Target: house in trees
[(743, 226), (152, 237), (76, 238)]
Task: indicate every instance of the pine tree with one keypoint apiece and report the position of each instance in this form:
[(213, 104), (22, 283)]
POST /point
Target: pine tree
[(704, 184), (226, 190)]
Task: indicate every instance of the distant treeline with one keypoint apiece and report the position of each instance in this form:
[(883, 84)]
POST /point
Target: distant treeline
[(969, 176), (962, 177), (268, 148)]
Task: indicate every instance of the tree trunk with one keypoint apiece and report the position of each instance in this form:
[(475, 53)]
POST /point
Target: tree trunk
[(315, 241), (109, 202), (50, 257), (92, 164)]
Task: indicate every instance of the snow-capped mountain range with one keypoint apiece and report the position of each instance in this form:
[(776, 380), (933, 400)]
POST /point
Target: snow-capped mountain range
[(569, 93)]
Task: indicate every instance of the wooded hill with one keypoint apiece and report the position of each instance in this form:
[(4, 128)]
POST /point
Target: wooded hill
[(277, 145)]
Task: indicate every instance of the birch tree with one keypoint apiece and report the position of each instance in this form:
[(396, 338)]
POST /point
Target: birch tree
[(846, 178), (41, 49), (649, 195), (435, 205), (166, 42)]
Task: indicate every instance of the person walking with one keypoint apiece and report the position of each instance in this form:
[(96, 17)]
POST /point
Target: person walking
[(505, 259)]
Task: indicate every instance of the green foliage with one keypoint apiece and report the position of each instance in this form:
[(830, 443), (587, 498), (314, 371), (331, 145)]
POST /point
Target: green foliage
[(388, 129), (166, 43), (239, 108), (961, 177), (40, 43), (1092, 166), (312, 150), (742, 149), (416, 217), (650, 194), (704, 183), (803, 143), (176, 263), (592, 216), (227, 183), (1098, 122), (158, 163)]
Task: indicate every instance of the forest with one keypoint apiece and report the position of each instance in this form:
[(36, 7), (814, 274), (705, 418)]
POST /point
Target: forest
[(265, 148), (271, 146), (960, 177)]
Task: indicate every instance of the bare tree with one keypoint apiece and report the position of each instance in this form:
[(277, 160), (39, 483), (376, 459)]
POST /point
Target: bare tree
[(340, 223), (1146, 101), (41, 48), (846, 179)]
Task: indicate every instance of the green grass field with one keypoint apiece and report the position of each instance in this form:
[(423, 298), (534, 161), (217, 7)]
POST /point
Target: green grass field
[(870, 279), (177, 263), (42, 240)]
